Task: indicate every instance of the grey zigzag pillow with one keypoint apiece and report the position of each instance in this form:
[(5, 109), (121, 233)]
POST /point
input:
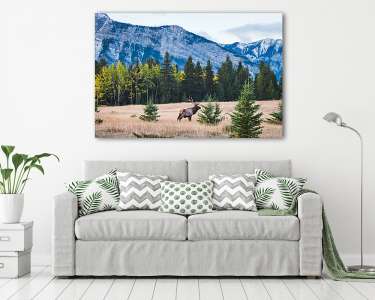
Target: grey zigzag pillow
[(234, 191), (276, 192), (139, 191), (96, 195)]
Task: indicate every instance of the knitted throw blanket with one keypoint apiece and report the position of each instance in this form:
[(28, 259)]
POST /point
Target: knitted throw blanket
[(334, 264)]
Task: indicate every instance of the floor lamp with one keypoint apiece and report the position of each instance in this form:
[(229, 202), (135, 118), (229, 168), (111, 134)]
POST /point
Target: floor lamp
[(336, 119)]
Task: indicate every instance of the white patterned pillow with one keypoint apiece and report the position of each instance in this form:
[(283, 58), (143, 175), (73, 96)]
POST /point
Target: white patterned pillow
[(276, 192), (139, 191), (234, 191), (186, 198), (96, 195)]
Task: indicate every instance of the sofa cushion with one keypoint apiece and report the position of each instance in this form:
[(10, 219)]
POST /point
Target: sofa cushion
[(186, 198), (242, 225), (131, 225), (139, 191)]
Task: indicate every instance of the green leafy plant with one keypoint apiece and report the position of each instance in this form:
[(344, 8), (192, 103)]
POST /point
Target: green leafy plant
[(15, 173), (246, 117), (210, 113), (150, 112), (277, 116)]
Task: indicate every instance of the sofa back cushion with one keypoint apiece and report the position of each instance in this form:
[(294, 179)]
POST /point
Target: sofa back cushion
[(175, 170), (201, 170)]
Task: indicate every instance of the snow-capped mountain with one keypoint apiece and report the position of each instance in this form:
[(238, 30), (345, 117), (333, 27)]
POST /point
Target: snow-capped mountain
[(116, 41), (268, 50)]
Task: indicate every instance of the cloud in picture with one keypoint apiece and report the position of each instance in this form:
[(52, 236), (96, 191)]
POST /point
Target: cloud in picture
[(253, 32)]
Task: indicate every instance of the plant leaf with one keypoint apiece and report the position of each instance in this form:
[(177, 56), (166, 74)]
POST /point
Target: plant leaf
[(6, 173), (110, 185), (42, 155), (7, 150), (78, 188), (288, 190), (263, 196), (91, 203), (17, 160), (39, 167)]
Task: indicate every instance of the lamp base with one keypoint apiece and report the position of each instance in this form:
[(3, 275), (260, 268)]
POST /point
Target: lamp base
[(363, 268)]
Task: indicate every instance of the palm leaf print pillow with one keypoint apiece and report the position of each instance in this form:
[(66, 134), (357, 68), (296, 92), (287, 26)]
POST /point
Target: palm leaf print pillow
[(96, 195), (276, 192)]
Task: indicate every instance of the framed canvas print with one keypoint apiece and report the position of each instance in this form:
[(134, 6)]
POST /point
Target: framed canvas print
[(189, 75)]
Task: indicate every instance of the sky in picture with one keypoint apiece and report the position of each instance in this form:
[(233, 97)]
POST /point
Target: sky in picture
[(224, 28)]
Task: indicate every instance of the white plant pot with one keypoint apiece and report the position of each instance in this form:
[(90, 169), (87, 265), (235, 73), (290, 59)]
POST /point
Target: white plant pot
[(11, 207)]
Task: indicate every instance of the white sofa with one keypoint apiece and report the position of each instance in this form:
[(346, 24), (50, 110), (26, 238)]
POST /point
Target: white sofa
[(222, 243)]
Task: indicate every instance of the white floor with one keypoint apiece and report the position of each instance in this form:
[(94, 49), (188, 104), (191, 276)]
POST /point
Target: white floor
[(40, 284)]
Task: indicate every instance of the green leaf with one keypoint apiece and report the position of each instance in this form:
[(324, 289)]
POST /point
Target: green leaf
[(2, 187), (6, 173), (39, 167), (35, 166), (288, 189), (263, 196), (91, 203), (78, 188), (42, 155), (110, 185), (17, 160), (262, 175), (7, 150)]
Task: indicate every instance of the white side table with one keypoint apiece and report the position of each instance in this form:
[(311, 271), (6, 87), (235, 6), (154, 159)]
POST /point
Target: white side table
[(16, 241)]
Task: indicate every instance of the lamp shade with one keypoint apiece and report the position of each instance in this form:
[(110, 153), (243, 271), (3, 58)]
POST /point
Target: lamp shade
[(333, 117)]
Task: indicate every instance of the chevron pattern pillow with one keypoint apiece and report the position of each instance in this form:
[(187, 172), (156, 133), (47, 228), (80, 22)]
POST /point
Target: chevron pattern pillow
[(276, 192), (139, 191), (234, 191), (96, 195)]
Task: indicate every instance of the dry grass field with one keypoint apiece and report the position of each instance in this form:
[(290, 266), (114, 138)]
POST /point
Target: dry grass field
[(123, 121)]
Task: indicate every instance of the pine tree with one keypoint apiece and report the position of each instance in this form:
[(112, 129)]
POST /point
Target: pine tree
[(198, 82), (167, 83), (150, 112), (266, 86), (226, 78), (277, 116), (210, 114), (209, 79), (246, 118), (188, 83), (241, 76)]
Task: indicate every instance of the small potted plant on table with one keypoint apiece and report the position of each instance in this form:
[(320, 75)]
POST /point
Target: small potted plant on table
[(14, 174)]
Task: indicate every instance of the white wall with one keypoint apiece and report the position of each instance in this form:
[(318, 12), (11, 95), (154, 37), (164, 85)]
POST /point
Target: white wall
[(46, 94)]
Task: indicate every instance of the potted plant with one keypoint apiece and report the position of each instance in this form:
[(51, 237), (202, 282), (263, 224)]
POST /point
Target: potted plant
[(14, 175)]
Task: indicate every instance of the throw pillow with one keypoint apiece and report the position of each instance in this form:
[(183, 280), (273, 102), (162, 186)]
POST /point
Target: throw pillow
[(276, 192), (186, 198), (96, 195), (139, 191), (234, 191)]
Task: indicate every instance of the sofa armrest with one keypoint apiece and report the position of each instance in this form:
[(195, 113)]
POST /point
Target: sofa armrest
[(65, 213), (311, 225)]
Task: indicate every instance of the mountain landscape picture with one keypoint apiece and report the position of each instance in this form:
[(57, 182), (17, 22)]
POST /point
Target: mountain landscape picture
[(188, 75)]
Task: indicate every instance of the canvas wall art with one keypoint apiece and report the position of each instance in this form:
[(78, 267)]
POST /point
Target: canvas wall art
[(188, 75)]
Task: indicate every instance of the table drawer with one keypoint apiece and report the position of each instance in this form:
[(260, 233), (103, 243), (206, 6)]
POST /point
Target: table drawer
[(16, 265), (16, 240)]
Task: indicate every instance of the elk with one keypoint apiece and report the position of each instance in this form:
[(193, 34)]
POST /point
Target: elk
[(188, 112)]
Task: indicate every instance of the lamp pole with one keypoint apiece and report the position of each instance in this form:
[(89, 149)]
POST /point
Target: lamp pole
[(335, 118), (355, 268)]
